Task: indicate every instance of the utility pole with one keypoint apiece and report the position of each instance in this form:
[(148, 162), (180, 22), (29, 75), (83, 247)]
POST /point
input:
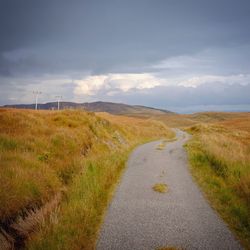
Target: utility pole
[(59, 97), (37, 93)]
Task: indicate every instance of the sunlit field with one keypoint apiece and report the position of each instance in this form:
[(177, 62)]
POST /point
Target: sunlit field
[(76, 154), (64, 166)]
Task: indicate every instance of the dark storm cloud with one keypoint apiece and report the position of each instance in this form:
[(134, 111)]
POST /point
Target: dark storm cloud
[(73, 39), (99, 35)]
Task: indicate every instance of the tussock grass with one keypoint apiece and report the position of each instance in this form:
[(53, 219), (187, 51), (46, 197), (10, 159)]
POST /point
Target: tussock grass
[(43, 152), (160, 187), (134, 126), (220, 161)]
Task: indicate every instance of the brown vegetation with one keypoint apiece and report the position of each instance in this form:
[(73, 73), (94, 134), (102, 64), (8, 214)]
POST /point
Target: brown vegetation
[(44, 152), (220, 158)]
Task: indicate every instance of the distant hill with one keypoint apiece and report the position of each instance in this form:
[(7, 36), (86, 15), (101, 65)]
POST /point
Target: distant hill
[(110, 107)]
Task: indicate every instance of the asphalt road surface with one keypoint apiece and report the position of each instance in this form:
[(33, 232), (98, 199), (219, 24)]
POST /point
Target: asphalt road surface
[(140, 218)]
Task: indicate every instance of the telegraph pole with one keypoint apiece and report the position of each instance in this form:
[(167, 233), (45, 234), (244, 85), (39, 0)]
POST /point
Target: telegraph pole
[(59, 97), (36, 93)]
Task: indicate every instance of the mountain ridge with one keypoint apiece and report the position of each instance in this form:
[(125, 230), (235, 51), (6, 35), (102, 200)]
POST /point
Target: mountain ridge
[(99, 106)]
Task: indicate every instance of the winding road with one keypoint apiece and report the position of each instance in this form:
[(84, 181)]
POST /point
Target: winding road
[(140, 218)]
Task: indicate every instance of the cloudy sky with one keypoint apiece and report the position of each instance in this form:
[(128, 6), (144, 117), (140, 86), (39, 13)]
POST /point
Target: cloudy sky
[(183, 55)]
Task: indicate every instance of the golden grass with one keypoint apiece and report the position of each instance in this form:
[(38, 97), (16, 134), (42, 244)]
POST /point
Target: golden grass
[(187, 120), (42, 152), (160, 187), (134, 125), (220, 161)]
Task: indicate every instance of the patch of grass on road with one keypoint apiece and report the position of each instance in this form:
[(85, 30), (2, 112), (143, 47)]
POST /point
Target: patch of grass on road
[(169, 248), (161, 146), (160, 187)]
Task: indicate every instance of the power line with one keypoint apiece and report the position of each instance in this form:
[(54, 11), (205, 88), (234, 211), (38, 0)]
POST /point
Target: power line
[(59, 97), (36, 93)]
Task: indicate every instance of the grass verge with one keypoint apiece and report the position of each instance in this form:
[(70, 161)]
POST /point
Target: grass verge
[(79, 152), (81, 213), (220, 162)]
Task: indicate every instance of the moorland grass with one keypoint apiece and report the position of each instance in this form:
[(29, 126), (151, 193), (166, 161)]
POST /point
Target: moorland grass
[(44, 152), (220, 161)]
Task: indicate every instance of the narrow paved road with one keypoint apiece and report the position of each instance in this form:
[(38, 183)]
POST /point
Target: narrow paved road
[(140, 218)]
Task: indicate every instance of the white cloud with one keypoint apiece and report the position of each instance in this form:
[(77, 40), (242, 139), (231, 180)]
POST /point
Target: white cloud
[(183, 62), (112, 83), (242, 79)]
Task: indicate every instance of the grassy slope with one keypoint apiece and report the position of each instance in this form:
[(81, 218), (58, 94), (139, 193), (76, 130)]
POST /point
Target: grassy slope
[(187, 120), (44, 152), (219, 153)]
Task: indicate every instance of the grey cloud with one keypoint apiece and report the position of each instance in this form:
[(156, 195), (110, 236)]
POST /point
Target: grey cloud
[(80, 37), (100, 36), (179, 96)]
